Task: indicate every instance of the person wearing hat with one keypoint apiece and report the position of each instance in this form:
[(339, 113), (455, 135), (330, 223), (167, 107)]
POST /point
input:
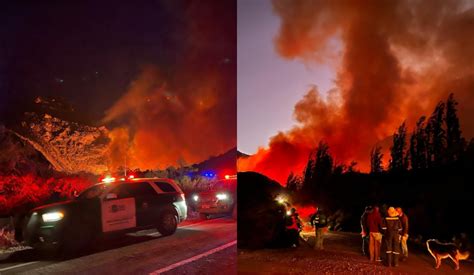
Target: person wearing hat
[(392, 226)]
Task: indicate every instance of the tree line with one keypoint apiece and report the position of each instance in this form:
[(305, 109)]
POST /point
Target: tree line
[(435, 141)]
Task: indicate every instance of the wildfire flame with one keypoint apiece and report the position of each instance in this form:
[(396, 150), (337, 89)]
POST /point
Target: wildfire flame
[(184, 113)]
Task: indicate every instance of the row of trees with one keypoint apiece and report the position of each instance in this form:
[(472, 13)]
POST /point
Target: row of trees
[(432, 162), (318, 170), (434, 141)]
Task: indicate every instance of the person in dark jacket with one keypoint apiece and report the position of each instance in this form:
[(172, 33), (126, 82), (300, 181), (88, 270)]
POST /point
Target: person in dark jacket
[(365, 230), (392, 227), (374, 223), (404, 234), (319, 222)]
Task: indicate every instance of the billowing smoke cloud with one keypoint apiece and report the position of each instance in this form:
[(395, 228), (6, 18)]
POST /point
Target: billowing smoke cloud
[(398, 59), (184, 112)]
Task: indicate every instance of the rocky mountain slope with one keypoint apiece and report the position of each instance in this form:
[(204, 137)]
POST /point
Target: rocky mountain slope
[(69, 146)]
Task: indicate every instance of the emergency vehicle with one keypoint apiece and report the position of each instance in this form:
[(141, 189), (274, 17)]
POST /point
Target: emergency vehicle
[(220, 198), (110, 207)]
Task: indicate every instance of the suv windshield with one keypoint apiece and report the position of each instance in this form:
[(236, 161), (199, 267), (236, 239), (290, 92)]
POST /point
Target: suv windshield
[(92, 192)]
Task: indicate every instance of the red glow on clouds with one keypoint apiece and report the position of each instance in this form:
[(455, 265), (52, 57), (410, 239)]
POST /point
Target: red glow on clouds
[(396, 66), (184, 113)]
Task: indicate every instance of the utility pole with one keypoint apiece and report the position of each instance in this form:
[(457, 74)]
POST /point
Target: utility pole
[(125, 169)]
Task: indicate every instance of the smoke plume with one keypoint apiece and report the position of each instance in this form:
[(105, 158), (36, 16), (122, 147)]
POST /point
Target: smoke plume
[(398, 59), (184, 112)]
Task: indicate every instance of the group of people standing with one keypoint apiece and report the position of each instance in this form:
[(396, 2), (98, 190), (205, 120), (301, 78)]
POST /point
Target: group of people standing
[(390, 228)]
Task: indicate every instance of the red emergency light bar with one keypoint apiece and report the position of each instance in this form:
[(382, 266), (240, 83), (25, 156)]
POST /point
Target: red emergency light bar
[(108, 179)]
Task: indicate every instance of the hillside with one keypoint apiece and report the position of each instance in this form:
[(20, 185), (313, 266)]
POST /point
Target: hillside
[(259, 212), (224, 163), (242, 155), (19, 157), (69, 146)]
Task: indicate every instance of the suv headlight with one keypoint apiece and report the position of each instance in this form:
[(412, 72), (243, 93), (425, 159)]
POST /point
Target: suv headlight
[(195, 197), (52, 216), (222, 196)]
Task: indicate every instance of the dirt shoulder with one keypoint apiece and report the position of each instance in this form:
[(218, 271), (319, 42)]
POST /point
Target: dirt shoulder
[(340, 256)]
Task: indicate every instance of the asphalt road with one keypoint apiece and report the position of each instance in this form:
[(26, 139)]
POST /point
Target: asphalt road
[(197, 247)]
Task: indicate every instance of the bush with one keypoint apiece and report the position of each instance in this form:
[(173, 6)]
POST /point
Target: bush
[(7, 238), (26, 191), (261, 220)]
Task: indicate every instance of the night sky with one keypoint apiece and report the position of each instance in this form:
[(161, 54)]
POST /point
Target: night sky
[(88, 53)]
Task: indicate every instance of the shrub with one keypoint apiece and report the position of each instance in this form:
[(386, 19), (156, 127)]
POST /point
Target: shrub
[(26, 191)]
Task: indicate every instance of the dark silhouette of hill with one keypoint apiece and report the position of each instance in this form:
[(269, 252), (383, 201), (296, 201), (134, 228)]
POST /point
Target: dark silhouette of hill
[(224, 163), (261, 218), (242, 155), (19, 157)]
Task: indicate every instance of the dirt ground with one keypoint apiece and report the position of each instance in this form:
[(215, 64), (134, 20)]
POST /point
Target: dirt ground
[(341, 256)]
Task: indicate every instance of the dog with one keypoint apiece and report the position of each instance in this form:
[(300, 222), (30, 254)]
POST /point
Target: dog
[(441, 251)]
